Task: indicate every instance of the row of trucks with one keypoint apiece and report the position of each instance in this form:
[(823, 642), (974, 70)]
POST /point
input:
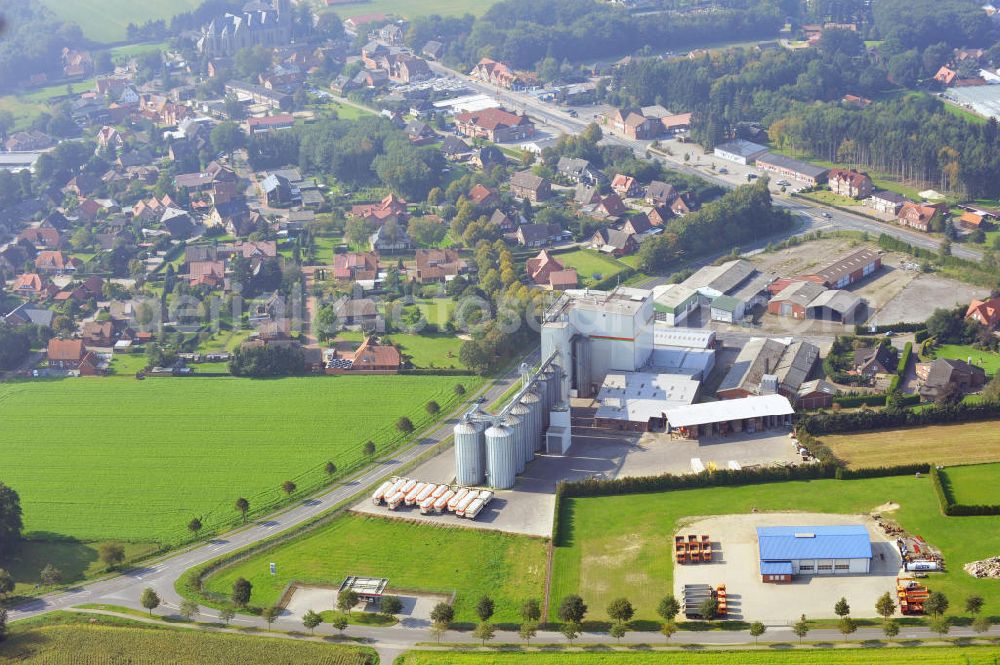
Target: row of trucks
[(432, 498), (692, 549), (695, 596)]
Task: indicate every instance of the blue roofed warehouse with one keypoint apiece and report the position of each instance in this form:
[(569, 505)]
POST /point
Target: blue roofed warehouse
[(786, 551)]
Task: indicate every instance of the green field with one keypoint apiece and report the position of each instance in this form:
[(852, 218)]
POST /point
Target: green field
[(105, 20), (417, 557), (925, 656), (136, 460), (985, 359), (411, 9), (974, 485), (588, 263), (75, 560), (424, 351), (618, 546), (71, 638), (437, 310)]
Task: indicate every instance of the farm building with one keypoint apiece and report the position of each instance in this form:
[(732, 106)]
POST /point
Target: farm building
[(816, 394), (750, 414), (766, 366), (847, 270), (637, 401), (740, 151), (673, 302), (787, 551), (794, 299), (837, 305)]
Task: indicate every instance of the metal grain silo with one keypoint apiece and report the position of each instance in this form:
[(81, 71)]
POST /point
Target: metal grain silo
[(470, 452), (555, 386), (522, 433), (501, 467), (533, 402), (545, 392)]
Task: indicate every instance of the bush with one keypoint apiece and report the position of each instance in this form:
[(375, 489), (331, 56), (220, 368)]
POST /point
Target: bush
[(823, 423)]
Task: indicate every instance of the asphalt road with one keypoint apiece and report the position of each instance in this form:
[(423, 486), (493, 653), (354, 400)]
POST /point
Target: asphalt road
[(559, 121)]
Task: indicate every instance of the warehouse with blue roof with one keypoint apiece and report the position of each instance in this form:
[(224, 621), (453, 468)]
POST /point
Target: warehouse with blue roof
[(787, 551)]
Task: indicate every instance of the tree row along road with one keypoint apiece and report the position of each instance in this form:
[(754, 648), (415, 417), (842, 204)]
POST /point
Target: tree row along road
[(838, 219), (162, 573)]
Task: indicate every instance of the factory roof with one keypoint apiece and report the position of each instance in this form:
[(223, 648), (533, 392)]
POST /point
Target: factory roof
[(691, 338), (790, 361), (787, 543), (837, 300), (793, 165), (671, 296), (622, 300), (639, 396), (727, 304), (846, 265), (800, 293), (742, 148), (680, 360), (728, 410), (721, 278)]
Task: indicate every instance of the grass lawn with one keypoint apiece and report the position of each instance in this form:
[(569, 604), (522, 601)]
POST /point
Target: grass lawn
[(133, 50), (590, 263), (65, 637), (127, 364), (419, 557), (985, 359), (925, 656), (965, 443), (75, 560), (439, 350), (436, 310), (224, 340), (619, 546), (136, 460), (964, 113), (974, 485), (24, 111), (829, 198), (411, 9), (105, 20)]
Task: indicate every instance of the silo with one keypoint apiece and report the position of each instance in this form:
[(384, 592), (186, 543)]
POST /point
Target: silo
[(545, 390), (522, 433), (501, 467), (555, 386), (470, 452), (533, 402)]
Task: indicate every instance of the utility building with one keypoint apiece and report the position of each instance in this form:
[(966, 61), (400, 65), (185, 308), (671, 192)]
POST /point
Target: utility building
[(787, 551)]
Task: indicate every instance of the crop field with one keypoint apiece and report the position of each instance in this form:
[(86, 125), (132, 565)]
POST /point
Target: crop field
[(985, 359), (925, 656), (966, 443), (105, 20), (136, 460), (974, 485), (588, 263), (615, 546), (73, 640), (471, 562), (411, 9)]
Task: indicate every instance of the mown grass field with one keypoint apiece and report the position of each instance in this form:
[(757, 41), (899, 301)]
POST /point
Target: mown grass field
[(105, 20), (136, 460), (618, 546), (926, 656), (411, 9), (72, 638), (417, 557), (590, 265), (966, 443), (438, 350), (974, 485), (985, 359), (75, 560)]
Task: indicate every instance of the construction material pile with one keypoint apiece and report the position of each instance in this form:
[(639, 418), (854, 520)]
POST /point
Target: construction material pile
[(985, 568)]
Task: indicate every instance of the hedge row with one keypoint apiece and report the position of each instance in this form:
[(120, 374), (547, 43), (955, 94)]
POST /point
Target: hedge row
[(727, 477), (823, 423), (904, 358), (854, 401), (863, 329), (952, 509)]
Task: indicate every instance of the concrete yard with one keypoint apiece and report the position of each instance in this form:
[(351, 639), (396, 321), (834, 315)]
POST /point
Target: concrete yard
[(735, 563), (922, 295), (528, 507)]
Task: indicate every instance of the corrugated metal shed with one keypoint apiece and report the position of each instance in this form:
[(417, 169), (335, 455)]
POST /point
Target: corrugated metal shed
[(788, 543), (729, 410)]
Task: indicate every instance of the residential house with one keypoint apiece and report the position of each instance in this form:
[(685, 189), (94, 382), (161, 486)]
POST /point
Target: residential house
[(850, 183), (502, 221), (637, 224), (605, 207), (500, 75), (624, 186), (875, 360), (358, 313), (409, 69), (28, 314), (275, 191), (76, 64), (177, 223), (390, 238), (432, 50), (561, 280), (372, 357), (31, 139), (586, 195), (438, 265), (578, 171), (614, 242), (70, 355), (816, 394), (972, 221), (455, 149), (985, 312), (945, 377), (918, 216), (542, 266), (495, 124), (41, 237), (488, 157), (482, 196), (886, 202), (54, 262), (98, 333), (355, 266), (391, 207), (632, 124), (660, 215), (676, 123), (527, 185), (659, 193), (83, 185), (682, 205), (537, 235), (257, 250), (419, 133), (29, 285)]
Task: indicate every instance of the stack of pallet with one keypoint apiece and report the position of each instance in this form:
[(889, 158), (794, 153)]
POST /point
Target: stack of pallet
[(694, 549)]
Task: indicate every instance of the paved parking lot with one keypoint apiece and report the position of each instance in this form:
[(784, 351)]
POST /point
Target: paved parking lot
[(416, 612), (528, 507), (735, 563)]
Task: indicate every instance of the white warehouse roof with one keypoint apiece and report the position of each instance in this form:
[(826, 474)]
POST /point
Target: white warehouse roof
[(639, 396), (729, 409), (688, 338)]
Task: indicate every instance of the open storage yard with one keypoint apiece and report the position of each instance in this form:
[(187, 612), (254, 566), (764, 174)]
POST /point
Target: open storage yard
[(619, 546), (413, 557), (927, 656), (965, 443), (136, 460), (87, 638)]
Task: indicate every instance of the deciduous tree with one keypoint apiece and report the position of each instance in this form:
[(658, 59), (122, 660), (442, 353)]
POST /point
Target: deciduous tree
[(485, 608), (572, 609), (311, 619), (149, 599), (242, 590), (243, 506), (112, 554), (756, 630)]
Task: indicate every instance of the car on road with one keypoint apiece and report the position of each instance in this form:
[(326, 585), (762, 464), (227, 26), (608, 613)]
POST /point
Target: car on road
[(827, 215), (572, 113), (723, 170)]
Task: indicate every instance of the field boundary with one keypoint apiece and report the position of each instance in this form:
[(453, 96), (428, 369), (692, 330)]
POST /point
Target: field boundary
[(943, 491)]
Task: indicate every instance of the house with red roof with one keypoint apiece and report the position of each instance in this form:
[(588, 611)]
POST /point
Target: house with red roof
[(495, 124), (355, 266), (919, 216), (391, 207), (541, 267), (481, 196), (624, 186), (985, 312), (56, 263), (850, 183)]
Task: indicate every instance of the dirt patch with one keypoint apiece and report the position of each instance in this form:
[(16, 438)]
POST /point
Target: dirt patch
[(887, 508), (807, 257)]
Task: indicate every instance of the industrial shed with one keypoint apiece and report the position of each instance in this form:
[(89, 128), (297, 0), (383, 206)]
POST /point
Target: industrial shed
[(836, 305), (787, 551), (637, 401), (750, 414)]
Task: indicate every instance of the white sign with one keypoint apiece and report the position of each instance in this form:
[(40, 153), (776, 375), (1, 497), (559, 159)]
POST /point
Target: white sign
[(274, 568)]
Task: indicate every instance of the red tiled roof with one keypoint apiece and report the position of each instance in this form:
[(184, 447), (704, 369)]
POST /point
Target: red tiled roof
[(65, 349)]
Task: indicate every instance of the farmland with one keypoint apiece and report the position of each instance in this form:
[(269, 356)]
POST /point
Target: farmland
[(974, 485), (985, 359), (418, 557), (97, 459), (967, 443), (79, 638), (927, 656), (411, 9), (589, 264), (601, 555), (105, 20)]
